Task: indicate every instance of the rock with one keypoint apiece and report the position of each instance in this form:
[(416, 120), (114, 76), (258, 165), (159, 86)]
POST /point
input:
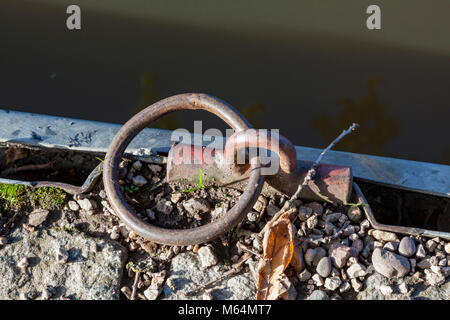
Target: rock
[(345, 286), (391, 246), (309, 256), (62, 256), (329, 228), (390, 264), (447, 248), (407, 247), (356, 270), (354, 214), (320, 253), (324, 267), (433, 278), (304, 276), (316, 207), (151, 214), (185, 274), (386, 290), (272, 209), (23, 263), (356, 285), (196, 205), (304, 213), (339, 254), (155, 289), (318, 295), (164, 206), (73, 205), (176, 197), (312, 222), (207, 256), (332, 283), (431, 245), (252, 216), (421, 253), (383, 235), (88, 276), (403, 288), (87, 204), (3, 241), (155, 168), (332, 217), (317, 280), (139, 181), (137, 165), (260, 204), (424, 264), (358, 244)]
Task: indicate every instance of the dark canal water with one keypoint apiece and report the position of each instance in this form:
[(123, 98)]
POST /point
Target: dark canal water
[(309, 85)]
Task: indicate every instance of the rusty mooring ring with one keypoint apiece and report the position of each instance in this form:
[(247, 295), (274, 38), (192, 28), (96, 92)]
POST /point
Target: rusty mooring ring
[(143, 119)]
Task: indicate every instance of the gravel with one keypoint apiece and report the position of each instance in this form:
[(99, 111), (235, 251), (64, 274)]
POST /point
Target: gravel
[(407, 247), (390, 264), (324, 267)]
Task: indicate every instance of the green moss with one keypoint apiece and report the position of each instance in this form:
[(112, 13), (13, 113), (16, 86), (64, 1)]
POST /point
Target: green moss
[(15, 197)]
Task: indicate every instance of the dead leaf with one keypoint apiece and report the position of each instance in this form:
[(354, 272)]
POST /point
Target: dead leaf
[(14, 154), (278, 246), (298, 262)]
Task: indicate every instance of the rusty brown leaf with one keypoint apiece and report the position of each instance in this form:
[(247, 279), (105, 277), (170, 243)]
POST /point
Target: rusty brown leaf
[(278, 246)]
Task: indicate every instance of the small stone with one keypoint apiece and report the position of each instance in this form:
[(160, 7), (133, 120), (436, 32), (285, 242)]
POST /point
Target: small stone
[(385, 290), (73, 205), (403, 288), (252, 216), (345, 286), (421, 253), (137, 165), (207, 296), (312, 222), (317, 280), (37, 217), (318, 295), (207, 256), (3, 241), (126, 291), (260, 204), (139, 181), (257, 244), (151, 214), (353, 237), (324, 267), (164, 206), (309, 256), (358, 245), (23, 263), (332, 283), (176, 197), (407, 247), (365, 251), (339, 254), (304, 276), (389, 264), (316, 207), (391, 246), (447, 248), (48, 292), (356, 285), (332, 217), (304, 213), (154, 168), (62, 256), (424, 264), (196, 205), (377, 244), (87, 204), (329, 228), (431, 245), (272, 209), (434, 279), (383, 235), (356, 270), (115, 233), (320, 253), (354, 214)]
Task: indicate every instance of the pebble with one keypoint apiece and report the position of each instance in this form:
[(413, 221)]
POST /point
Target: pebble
[(316, 207), (358, 244), (324, 267), (403, 288), (317, 280), (207, 296), (318, 295), (332, 283), (320, 253), (115, 233), (383, 235), (139, 181), (356, 285), (23, 263), (137, 165), (385, 290), (164, 206), (421, 253), (62, 256), (354, 214), (332, 217), (309, 256), (434, 279), (304, 213), (260, 204), (339, 254), (304, 276), (407, 247), (431, 245), (196, 205), (207, 256), (424, 264), (272, 209), (356, 270), (176, 197), (154, 168), (73, 205), (252, 216), (3, 241), (151, 214), (447, 248), (389, 264), (391, 246), (312, 222), (87, 204)]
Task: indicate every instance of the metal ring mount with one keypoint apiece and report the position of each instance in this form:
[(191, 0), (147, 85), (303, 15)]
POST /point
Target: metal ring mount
[(143, 119)]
